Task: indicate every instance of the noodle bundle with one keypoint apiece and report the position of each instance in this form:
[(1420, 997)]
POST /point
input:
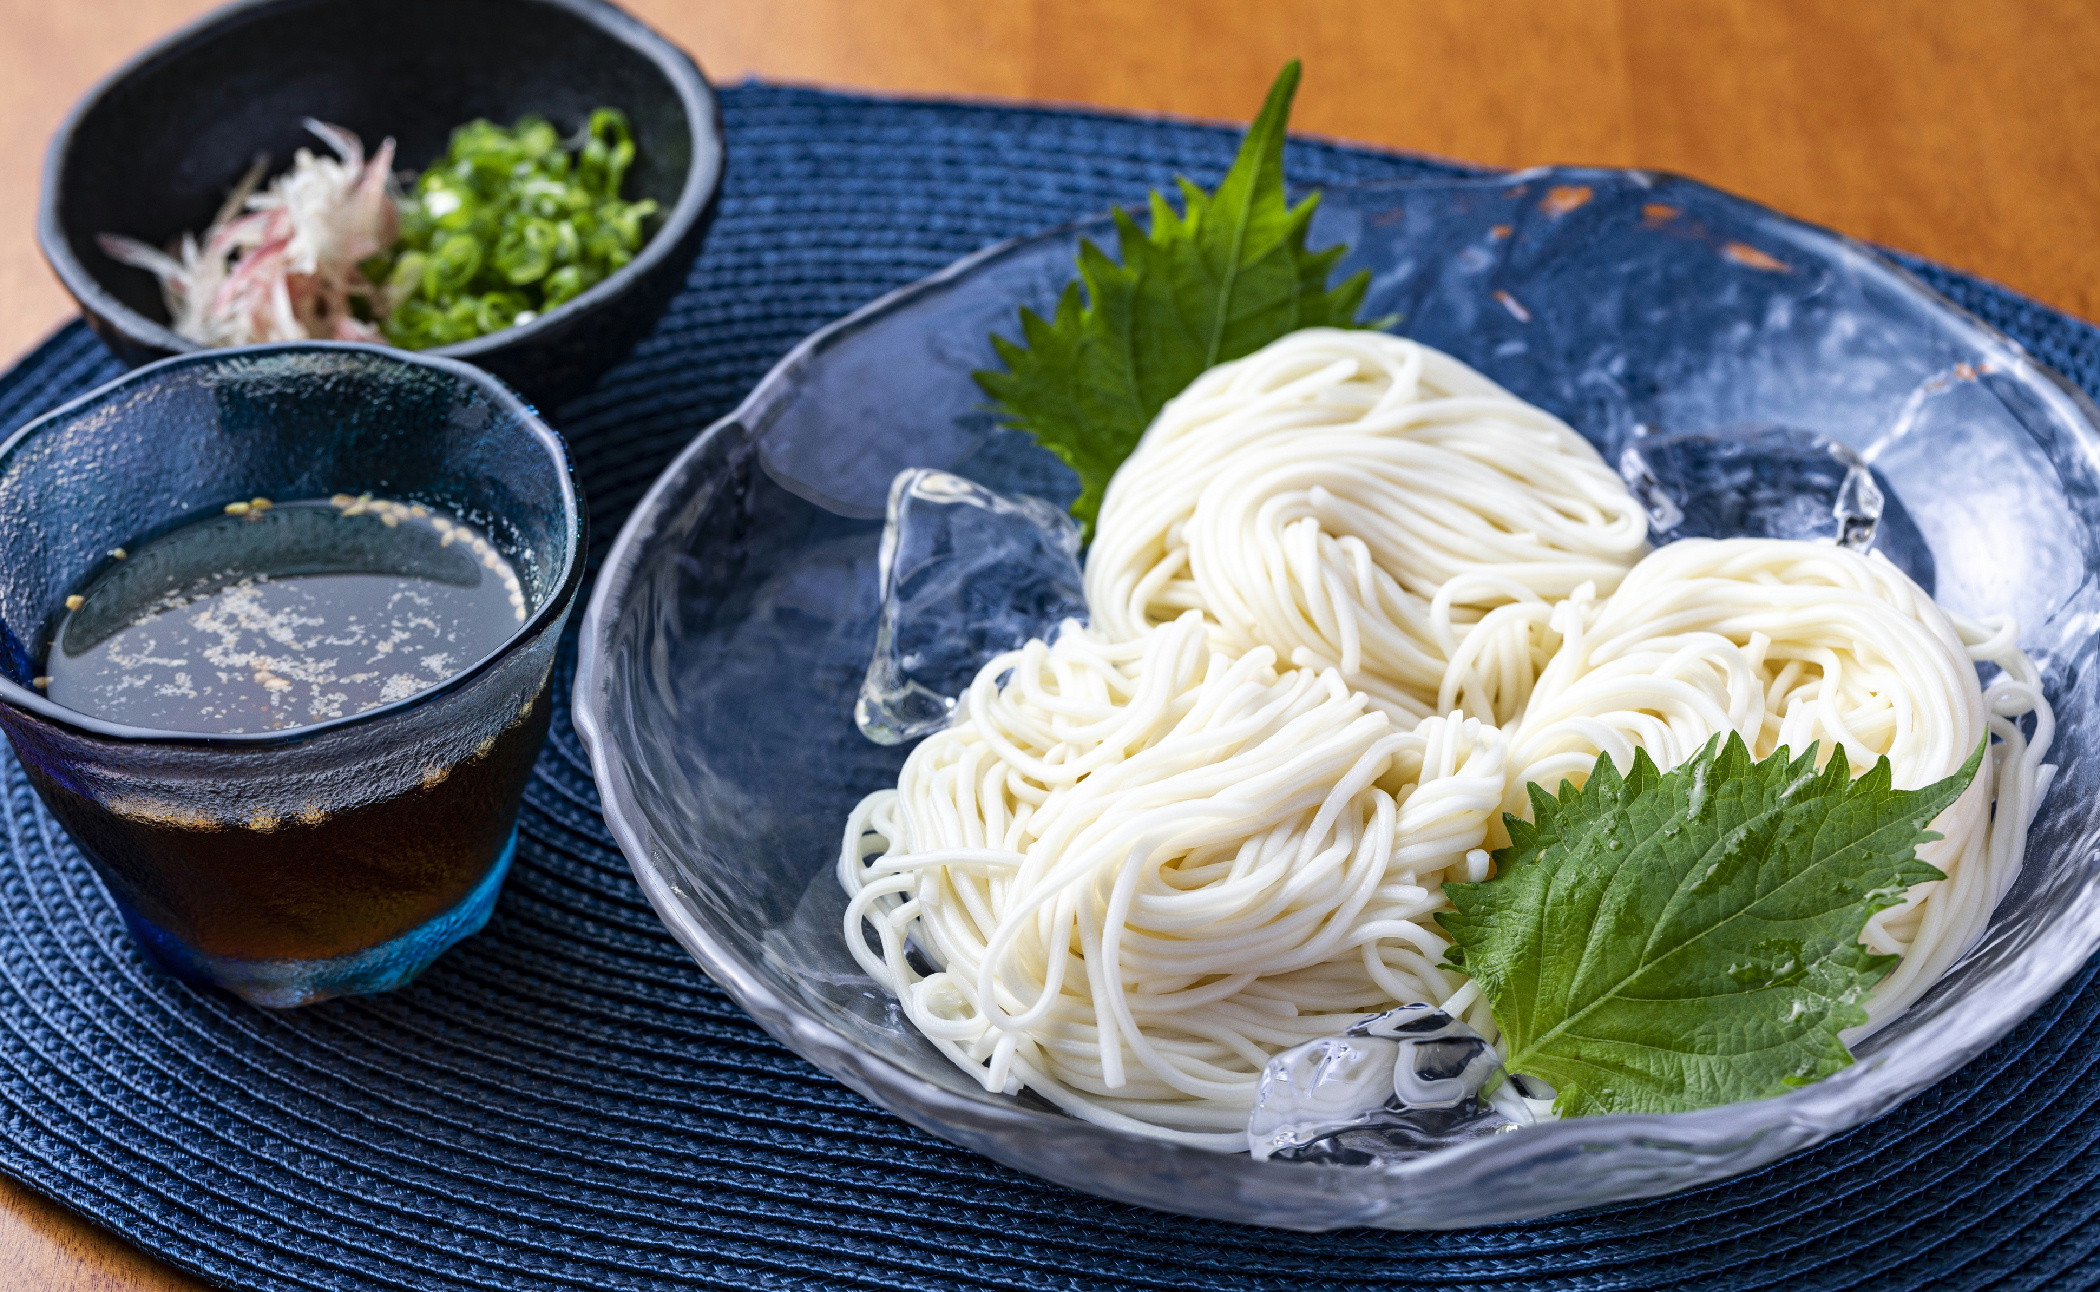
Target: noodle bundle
[(1362, 502), (1139, 869), (1792, 644)]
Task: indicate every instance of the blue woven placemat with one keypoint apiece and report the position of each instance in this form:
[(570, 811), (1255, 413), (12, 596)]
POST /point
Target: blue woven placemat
[(566, 1102)]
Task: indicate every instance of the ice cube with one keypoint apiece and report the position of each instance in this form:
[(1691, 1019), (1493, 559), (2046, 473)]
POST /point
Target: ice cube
[(1410, 1081), (1770, 482), (965, 574)]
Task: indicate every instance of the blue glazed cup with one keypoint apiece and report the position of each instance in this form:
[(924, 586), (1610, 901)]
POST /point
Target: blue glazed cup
[(339, 858)]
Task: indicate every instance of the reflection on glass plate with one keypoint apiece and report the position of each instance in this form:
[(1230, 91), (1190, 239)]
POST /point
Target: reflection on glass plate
[(733, 626)]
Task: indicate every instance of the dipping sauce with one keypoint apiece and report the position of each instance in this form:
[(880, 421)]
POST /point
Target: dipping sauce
[(269, 616), (273, 615)]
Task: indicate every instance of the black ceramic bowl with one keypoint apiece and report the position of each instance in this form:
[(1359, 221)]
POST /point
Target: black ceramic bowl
[(153, 150)]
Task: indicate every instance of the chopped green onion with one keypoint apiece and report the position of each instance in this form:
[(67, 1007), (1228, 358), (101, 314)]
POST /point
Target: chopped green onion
[(507, 225)]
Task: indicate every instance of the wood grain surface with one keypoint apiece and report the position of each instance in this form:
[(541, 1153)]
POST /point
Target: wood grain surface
[(1959, 131)]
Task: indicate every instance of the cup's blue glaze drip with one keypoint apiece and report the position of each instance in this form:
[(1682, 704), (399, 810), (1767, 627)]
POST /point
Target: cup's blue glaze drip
[(283, 983)]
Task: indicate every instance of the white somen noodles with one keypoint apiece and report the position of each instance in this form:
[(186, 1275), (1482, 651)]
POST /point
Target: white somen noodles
[(1144, 867), (1216, 824), (1362, 502), (1793, 643)]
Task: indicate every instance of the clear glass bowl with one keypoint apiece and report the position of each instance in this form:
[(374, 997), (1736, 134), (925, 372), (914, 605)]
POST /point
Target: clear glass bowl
[(729, 632)]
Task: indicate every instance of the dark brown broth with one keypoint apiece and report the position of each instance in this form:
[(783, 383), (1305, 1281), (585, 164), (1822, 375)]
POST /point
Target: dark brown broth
[(267, 616)]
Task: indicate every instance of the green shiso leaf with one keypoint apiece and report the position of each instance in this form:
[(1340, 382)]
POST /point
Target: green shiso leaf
[(1665, 941), (1221, 279)]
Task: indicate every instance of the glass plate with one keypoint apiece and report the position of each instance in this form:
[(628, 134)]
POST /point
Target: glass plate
[(731, 626)]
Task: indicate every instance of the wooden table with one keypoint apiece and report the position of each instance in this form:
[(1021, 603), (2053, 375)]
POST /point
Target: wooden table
[(1963, 132)]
